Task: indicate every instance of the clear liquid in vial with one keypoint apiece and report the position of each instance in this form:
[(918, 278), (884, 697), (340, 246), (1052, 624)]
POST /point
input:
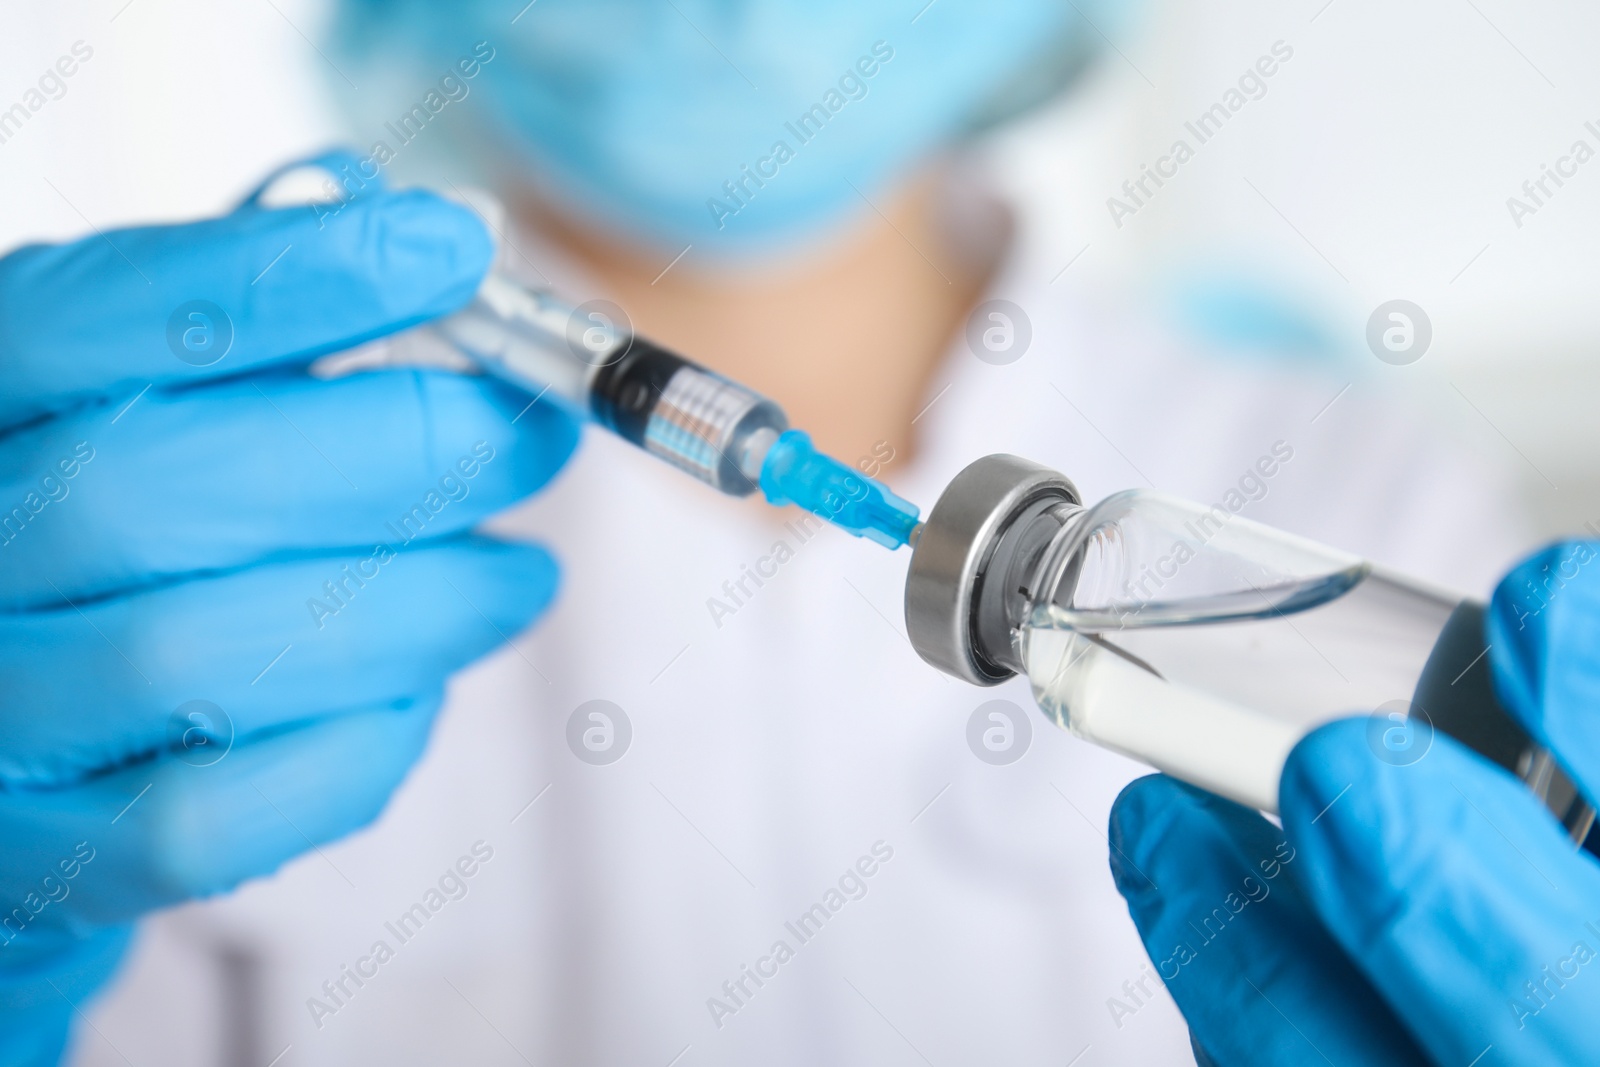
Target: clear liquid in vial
[(1217, 690)]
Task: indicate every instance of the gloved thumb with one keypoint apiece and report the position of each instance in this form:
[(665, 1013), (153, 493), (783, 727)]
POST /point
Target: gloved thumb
[(1544, 652)]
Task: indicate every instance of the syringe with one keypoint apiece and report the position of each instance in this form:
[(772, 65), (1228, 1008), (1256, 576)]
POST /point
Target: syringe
[(588, 360), (726, 435)]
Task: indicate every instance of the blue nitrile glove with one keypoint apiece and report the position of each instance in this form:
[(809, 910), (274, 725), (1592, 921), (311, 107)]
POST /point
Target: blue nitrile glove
[(296, 552), (1430, 913)]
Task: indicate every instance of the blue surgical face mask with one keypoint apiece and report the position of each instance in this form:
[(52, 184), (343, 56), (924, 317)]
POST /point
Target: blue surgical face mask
[(730, 125)]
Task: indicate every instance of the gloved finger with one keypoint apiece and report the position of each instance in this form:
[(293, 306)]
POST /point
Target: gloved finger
[(1456, 893), (93, 687), (219, 477), (162, 831), (334, 164), (104, 316), (1211, 886), (1544, 651)]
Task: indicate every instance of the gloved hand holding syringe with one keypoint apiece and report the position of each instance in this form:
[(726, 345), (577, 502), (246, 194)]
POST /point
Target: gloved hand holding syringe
[(586, 359)]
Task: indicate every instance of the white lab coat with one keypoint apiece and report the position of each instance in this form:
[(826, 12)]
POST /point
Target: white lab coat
[(776, 746)]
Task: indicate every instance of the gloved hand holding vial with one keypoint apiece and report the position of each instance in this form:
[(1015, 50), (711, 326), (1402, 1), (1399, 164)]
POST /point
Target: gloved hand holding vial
[(1417, 903), (1199, 642)]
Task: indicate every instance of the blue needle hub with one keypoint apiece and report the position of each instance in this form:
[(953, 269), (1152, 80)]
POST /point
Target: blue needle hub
[(794, 472)]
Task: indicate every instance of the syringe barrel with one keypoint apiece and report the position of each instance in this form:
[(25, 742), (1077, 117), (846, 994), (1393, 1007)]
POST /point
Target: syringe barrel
[(700, 422), (581, 358)]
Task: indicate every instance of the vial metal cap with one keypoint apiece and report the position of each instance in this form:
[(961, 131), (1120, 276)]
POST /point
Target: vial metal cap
[(957, 547)]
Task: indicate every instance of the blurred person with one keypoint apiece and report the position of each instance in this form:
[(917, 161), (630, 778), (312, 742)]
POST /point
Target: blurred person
[(777, 739)]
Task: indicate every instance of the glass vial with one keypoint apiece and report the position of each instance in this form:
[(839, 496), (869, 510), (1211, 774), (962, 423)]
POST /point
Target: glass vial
[(1199, 642)]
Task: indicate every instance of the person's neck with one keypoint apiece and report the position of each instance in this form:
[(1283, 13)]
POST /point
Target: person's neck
[(846, 340)]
